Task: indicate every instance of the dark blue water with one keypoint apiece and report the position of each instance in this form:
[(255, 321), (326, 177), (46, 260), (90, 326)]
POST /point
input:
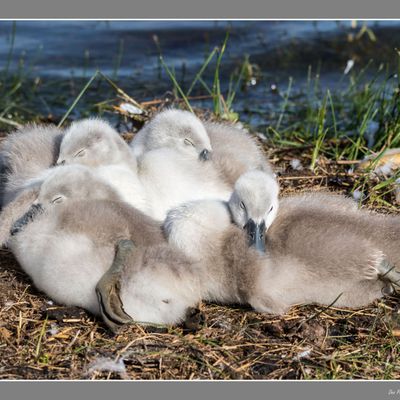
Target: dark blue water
[(59, 48), (63, 54)]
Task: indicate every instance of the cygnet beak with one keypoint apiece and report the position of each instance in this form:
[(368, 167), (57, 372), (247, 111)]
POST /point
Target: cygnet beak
[(205, 155), (256, 234), (28, 217)]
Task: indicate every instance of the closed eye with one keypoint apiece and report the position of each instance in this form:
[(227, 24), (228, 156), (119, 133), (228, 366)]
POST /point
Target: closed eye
[(56, 200), (272, 207), (188, 142), (80, 153), (242, 205)]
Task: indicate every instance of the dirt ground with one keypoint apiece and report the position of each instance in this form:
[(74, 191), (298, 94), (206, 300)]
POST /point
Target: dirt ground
[(42, 340)]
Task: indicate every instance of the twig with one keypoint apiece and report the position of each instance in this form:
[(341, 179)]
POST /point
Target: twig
[(160, 101), (39, 343), (348, 162), (319, 312), (296, 178)]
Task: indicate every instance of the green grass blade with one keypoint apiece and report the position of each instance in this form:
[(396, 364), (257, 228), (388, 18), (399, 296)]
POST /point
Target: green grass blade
[(201, 71), (285, 103), (176, 84), (73, 105), (217, 84), (11, 51)]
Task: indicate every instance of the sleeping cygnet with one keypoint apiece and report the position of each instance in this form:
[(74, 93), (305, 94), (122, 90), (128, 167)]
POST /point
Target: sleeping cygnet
[(26, 156), (252, 206), (62, 183), (95, 144), (322, 250), (176, 129), (165, 178), (318, 251), (174, 152), (234, 152), (69, 242)]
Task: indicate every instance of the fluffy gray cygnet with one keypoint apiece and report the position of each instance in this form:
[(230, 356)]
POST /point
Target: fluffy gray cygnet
[(68, 242), (232, 151), (319, 249)]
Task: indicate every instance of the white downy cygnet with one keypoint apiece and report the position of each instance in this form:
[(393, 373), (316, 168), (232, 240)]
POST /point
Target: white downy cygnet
[(251, 207), (176, 129), (95, 144), (66, 240), (232, 150)]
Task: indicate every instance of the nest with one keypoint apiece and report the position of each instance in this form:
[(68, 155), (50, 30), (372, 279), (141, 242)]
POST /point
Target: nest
[(42, 340)]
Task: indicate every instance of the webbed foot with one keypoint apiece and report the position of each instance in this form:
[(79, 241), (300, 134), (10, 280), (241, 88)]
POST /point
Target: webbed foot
[(108, 288)]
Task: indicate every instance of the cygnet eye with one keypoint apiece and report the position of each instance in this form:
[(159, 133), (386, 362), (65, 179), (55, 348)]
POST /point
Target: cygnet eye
[(272, 207), (57, 200), (80, 153), (188, 142), (242, 205)]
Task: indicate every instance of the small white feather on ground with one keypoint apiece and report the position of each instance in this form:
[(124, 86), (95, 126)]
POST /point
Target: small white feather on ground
[(304, 354), (296, 164), (104, 364), (358, 195)]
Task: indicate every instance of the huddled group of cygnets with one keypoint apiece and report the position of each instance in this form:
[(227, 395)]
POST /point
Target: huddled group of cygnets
[(187, 212)]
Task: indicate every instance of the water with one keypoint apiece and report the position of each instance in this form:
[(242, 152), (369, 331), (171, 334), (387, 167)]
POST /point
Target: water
[(64, 54)]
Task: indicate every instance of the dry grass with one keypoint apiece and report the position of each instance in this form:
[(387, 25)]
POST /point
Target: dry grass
[(40, 340), (43, 341)]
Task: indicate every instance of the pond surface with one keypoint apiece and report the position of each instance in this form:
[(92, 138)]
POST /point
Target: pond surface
[(61, 52)]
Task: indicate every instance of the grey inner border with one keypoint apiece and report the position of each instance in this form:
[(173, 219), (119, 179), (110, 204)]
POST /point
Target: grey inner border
[(242, 390), (213, 9)]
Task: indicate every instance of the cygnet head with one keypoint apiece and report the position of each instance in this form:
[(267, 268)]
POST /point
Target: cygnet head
[(72, 182), (180, 130), (254, 205), (91, 142)]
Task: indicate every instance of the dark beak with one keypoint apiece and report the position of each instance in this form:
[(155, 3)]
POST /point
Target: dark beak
[(205, 155), (28, 217), (256, 234)]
